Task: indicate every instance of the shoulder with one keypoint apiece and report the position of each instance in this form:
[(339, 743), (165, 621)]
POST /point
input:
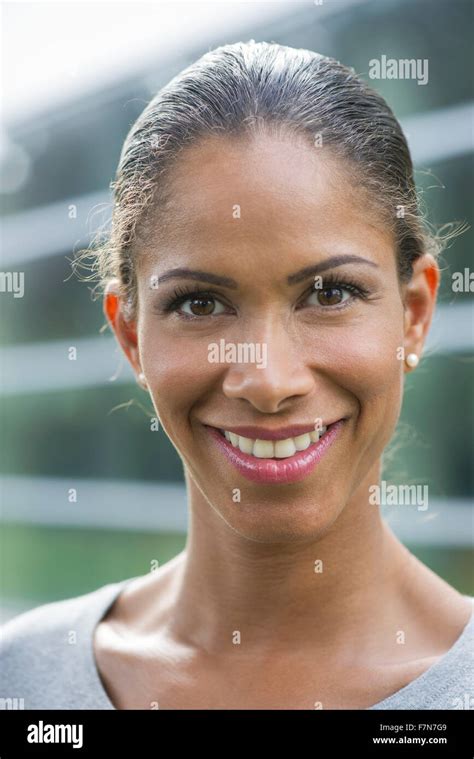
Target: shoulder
[(458, 668), (447, 684), (46, 655)]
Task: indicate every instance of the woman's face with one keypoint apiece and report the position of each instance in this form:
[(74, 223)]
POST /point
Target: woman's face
[(288, 264)]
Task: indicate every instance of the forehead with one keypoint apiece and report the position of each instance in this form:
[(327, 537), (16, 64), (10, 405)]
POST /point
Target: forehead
[(275, 191)]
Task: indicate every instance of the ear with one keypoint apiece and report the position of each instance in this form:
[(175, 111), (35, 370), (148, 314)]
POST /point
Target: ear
[(419, 301), (124, 330)]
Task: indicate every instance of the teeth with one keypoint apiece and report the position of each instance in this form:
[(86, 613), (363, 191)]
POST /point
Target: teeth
[(269, 449), (234, 439), (284, 448), (316, 434), (263, 449), (302, 441), (245, 444)]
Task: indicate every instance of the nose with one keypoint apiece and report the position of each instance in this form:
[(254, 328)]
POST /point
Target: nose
[(269, 385)]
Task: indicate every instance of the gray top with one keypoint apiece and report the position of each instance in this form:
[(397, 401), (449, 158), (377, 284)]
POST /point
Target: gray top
[(47, 661)]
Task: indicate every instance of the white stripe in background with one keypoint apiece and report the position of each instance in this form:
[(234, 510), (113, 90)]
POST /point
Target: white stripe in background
[(144, 506), (45, 367), (102, 504), (48, 231), (433, 136)]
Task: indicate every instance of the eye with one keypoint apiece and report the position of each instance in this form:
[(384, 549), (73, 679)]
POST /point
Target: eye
[(333, 295), (201, 305)]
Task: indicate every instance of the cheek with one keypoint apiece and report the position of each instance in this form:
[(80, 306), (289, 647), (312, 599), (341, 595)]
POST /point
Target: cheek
[(366, 362), (177, 371)]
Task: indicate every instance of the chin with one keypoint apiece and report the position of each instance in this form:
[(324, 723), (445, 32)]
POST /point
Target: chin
[(283, 519)]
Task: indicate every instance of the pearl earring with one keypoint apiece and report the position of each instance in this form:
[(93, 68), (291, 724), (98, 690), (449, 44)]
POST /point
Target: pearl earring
[(412, 360), (142, 381)]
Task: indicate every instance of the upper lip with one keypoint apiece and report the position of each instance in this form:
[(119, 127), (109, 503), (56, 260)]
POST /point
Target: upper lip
[(262, 433)]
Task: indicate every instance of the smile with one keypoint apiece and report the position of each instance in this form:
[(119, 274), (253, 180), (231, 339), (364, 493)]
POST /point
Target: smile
[(270, 449), (274, 457)]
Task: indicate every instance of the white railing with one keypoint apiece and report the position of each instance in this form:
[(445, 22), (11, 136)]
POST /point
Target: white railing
[(49, 231), (161, 507)]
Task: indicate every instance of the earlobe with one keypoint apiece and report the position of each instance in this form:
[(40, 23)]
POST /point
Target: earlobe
[(141, 379)]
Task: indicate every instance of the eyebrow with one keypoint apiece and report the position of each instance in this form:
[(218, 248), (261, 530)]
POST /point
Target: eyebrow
[(293, 279), (200, 276), (329, 263)]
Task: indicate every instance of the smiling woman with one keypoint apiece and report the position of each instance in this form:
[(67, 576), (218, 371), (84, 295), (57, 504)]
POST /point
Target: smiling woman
[(265, 197)]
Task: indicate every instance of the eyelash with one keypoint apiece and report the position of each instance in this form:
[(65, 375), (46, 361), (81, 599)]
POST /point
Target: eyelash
[(346, 283), (181, 294)]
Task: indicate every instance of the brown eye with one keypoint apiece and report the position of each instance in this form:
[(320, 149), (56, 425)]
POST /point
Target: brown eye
[(330, 296), (202, 305)]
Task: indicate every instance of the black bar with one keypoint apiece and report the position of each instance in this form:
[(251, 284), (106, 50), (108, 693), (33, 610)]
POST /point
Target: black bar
[(318, 733)]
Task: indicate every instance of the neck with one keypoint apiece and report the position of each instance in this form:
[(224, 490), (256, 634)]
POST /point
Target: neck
[(282, 593)]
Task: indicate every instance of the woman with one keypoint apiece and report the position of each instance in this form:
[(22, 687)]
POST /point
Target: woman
[(271, 282)]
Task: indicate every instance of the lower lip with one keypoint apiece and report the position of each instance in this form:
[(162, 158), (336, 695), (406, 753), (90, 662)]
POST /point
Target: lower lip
[(278, 471)]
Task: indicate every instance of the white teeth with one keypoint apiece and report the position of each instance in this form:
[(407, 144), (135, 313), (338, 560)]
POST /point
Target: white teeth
[(317, 433), (269, 449), (234, 439), (284, 448), (302, 441), (245, 444), (263, 449)]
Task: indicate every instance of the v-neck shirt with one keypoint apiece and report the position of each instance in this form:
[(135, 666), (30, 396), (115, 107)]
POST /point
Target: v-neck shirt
[(47, 660)]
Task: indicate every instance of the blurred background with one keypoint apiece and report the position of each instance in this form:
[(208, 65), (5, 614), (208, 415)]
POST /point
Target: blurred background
[(74, 78)]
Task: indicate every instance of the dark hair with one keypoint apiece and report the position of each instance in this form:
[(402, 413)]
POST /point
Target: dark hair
[(243, 88)]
